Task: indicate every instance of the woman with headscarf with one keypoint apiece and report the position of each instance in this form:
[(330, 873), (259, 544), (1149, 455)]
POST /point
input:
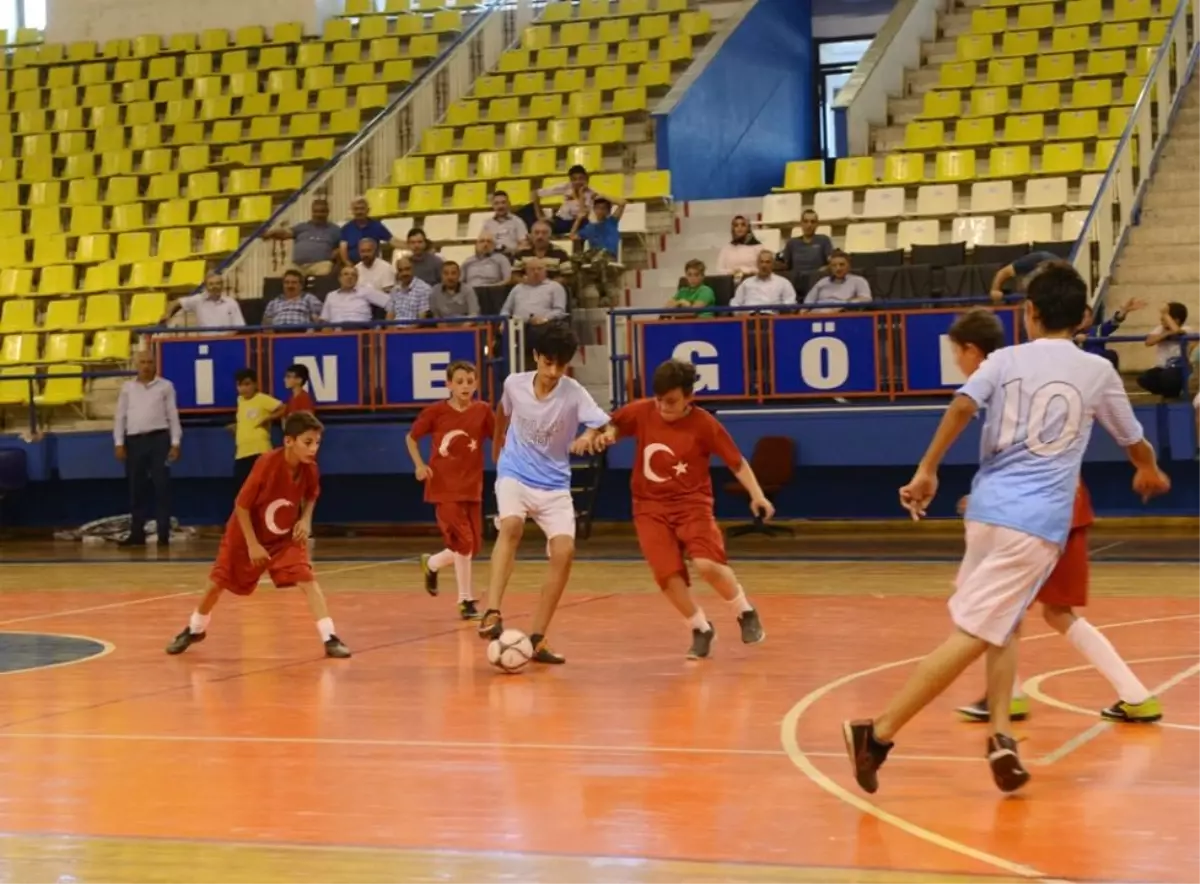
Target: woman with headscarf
[(739, 257)]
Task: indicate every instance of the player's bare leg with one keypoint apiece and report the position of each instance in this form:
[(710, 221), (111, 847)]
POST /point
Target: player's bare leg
[(562, 554), (1007, 769), (334, 646), (197, 627), (722, 579), (504, 556), (679, 594)]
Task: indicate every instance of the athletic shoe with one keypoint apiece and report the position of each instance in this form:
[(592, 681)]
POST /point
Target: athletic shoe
[(430, 575), (467, 610), (867, 754), (491, 625), (542, 652), (701, 643), (1149, 710), (185, 640), (752, 631), (1007, 770), (335, 647), (1018, 710)]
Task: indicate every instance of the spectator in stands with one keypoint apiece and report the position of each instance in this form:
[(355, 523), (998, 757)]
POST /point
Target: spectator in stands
[(537, 299), (541, 246), (314, 242), (451, 298), (577, 200), (766, 288), (506, 229), (810, 250), (147, 434), (426, 264), (604, 232), (1018, 270), (212, 307), (486, 266), (1089, 332), (351, 302), (1167, 377), (839, 287), (694, 293), (373, 271), (295, 306), (739, 257), (410, 296), (361, 226)]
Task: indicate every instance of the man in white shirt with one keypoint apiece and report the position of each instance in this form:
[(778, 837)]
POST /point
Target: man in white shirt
[(212, 307), (765, 288), (505, 228), (373, 271), (351, 302)]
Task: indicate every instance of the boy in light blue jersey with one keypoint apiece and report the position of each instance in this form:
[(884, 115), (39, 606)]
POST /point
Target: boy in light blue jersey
[(536, 425), (1041, 399)]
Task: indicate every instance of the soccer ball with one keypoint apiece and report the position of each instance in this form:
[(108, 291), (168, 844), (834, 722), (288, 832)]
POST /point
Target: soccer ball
[(511, 651)]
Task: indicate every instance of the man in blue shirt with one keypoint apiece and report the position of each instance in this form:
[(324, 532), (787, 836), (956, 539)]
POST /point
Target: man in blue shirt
[(604, 232), (361, 226), (1018, 270), (1041, 399)]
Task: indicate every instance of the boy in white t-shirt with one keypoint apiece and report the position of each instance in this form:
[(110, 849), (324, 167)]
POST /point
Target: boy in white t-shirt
[(1166, 378)]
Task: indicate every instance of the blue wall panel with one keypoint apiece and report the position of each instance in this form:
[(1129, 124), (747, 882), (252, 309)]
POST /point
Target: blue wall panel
[(749, 112)]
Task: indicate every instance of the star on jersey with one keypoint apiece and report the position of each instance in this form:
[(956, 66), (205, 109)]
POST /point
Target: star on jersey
[(648, 453), (444, 447), (680, 468)]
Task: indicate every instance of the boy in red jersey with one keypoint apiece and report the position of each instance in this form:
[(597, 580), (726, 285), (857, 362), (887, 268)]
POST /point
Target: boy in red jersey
[(972, 337), (454, 478), (673, 498), (295, 379), (268, 532)]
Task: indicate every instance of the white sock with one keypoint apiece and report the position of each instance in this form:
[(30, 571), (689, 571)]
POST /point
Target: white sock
[(1017, 685), (462, 573), (1099, 651), (437, 561), (198, 623), (740, 605), (699, 621), (325, 627)]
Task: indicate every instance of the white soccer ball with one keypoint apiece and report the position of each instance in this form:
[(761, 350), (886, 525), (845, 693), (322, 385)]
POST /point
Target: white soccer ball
[(511, 651)]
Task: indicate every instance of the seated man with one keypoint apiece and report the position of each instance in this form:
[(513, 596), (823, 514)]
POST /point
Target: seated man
[(540, 246), (486, 266), (451, 298), (536, 300), (839, 287), (410, 296), (766, 288)]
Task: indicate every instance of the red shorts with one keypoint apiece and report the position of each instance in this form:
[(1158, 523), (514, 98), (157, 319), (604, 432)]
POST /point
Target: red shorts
[(461, 524), (234, 571), (666, 537), (1067, 584)]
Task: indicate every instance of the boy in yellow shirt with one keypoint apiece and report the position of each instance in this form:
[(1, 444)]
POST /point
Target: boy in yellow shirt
[(255, 413)]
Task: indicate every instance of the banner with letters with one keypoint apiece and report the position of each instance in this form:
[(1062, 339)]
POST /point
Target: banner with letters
[(927, 359), (717, 347), (202, 369), (338, 366), (414, 362), (830, 355)]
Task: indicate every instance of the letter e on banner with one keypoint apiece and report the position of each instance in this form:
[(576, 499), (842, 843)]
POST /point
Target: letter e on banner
[(429, 375)]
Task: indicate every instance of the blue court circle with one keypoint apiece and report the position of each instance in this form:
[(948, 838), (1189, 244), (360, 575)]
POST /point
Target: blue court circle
[(23, 651)]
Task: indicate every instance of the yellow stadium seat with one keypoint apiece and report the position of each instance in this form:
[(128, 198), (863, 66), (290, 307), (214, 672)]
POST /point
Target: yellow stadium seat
[(104, 311), (1064, 158), (174, 244), (62, 314), (854, 172), (1077, 125), (676, 48), (569, 80), (135, 90), (655, 27), (1055, 67), (17, 315), (121, 190), (16, 282), (1134, 10), (223, 132), (493, 164), (12, 252), (194, 157), (349, 52), (64, 386), (1083, 12), (974, 131), (90, 74), (450, 167), (304, 125), (477, 138), (371, 96), (163, 187), (93, 248), (695, 23), (563, 133), (630, 100), (187, 274), (635, 52), (1035, 16), (924, 135), (651, 74), (84, 220), (651, 185), (373, 28), (957, 75), (268, 128), (590, 56), (585, 104), (527, 83), (1091, 93), (133, 247), (14, 388), (111, 345), (593, 8), (424, 199), (1020, 43), (318, 149), (240, 181), (462, 113), (941, 105), (1009, 162), (318, 78), (45, 221), (37, 168), (254, 208), (424, 46), (102, 277), (63, 347), (544, 106), (1040, 97), (513, 60), (610, 185), (610, 77), (989, 102), (11, 224), (220, 241), (1119, 35), (173, 213), (616, 30), (17, 349), (539, 162), (551, 59), (251, 35), (436, 141), (1024, 127), (1006, 71), (590, 156), (1131, 88), (633, 8), (490, 87), (128, 216), (156, 161), (331, 100), (212, 211), (473, 195), (987, 20), (518, 134), (146, 309), (602, 130), (904, 168), (1106, 62), (574, 33), (955, 165), (57, 279)]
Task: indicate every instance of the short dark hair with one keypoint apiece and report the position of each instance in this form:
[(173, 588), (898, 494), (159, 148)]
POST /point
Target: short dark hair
[(451, 263), (838, 253), (577, 170), (417, 231), (556, 341), (294, 272), (1058, 294), (674, 374), (496, 193), (808, 212), (1177, 311), (245, 374), (694, 264), (300, 370), (979, 328), (459, 365), (300, 422), (601, 201)]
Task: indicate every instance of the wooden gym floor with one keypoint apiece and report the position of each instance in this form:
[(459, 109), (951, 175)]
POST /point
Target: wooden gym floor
[(252, 758)]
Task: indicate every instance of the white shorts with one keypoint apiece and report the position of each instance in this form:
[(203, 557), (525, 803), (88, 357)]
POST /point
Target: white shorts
[(1001, 573), (552, 511)]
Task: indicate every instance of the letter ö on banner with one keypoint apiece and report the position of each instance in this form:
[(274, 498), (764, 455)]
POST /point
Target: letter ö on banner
[(429, 375), (206, 393), (323, 377), (824, 360), (708, 374)]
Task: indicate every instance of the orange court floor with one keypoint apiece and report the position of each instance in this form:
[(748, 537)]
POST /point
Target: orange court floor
[(253, 758)]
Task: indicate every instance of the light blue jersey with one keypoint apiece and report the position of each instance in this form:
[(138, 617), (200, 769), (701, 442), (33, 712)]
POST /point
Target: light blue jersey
[(1041, 400), (537, 448)]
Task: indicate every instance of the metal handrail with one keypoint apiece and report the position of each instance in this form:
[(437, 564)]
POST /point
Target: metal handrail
[(197, 331)]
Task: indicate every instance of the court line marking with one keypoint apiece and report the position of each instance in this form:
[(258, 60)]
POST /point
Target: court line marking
[(1082, 739), (105, 649), (1106, 547), (802, 760)]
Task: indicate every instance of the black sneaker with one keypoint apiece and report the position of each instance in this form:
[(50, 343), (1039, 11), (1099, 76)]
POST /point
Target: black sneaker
[(132, 542), (335, 647), (752, 631), (1018, 710), (1007, 770), (867, 754), (431, 586), (467, 610), (701, 643), (185, 640), (491, 625), (542, 652)]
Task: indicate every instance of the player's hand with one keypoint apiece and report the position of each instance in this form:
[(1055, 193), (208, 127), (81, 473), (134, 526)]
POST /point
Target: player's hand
[(423, 473), (302, 530), (120, 452), (997, 295), (258, 553), (1150, 483), (918, 493), (962, 504), (1132, 304), (585, 444), (763, 508), (173, 454)]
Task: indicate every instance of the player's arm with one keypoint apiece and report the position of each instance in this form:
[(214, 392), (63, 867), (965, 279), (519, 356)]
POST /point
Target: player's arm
[(722, 444), (499, 432), (1003, 275), (595, 420), (1115, 414), (919, 492), (421, 428), (258, 553), (277, 414), (302, 530)]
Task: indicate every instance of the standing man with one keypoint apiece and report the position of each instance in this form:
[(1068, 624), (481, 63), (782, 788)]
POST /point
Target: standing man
[(212, 307), (147, 434), (361, 225), (314, 242), (373, 271), (810, 250)]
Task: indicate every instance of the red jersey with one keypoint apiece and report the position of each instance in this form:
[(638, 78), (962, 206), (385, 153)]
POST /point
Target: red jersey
[(274, 494), (1082, 516), (456, 456), (671, 469), (300, 401)]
